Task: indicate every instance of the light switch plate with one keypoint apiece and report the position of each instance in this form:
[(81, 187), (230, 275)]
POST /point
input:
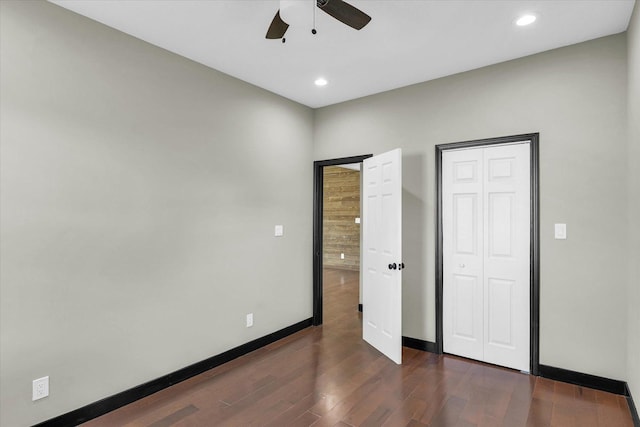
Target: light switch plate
[(279, 231), (560, 231), (357, 220)]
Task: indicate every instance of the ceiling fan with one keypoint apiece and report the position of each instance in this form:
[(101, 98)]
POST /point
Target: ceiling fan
[(340, 10)]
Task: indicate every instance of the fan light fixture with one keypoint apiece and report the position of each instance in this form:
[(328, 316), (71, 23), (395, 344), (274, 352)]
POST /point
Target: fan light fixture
[(320, 81), (525, 20), (297, 13)]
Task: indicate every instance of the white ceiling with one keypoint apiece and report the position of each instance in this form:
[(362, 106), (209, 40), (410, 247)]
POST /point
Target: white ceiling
[(406, 42)]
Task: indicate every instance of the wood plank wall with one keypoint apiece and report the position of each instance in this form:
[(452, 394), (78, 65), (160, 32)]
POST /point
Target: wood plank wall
[(341, 234)]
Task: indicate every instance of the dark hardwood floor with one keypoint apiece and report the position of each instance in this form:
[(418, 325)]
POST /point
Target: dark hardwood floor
[(328, 376)]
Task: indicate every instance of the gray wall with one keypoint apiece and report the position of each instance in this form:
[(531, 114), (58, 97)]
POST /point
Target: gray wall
[(137, 188), (576, 98), (633, 358)]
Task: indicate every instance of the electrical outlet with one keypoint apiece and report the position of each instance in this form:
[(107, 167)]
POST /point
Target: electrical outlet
[(341, 256), (249, 320), (40, 388)]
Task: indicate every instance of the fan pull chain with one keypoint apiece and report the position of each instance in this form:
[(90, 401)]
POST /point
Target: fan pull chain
[(313, 30)]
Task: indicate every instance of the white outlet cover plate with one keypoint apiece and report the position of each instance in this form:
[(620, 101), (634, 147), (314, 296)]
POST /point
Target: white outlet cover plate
[(249, 320), (357, 220), (279, 231), (40, 388)]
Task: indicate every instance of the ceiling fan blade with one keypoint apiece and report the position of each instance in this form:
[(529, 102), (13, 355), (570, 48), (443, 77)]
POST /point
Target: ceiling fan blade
[(277, 28), (345, 13)]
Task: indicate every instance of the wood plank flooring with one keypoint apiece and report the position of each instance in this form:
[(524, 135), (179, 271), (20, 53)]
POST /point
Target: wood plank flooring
[(328, 376)]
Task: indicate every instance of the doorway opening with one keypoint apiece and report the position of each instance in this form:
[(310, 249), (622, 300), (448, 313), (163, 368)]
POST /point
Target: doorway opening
[(338, 250), (341, 231), (533, 244)]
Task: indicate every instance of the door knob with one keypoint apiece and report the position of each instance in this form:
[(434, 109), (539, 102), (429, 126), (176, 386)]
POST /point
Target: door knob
[(393, 266)]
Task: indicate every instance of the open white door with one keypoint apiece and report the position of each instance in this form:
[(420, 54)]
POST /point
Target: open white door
[(382, 253)]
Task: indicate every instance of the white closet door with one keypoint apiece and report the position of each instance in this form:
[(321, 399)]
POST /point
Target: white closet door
[(462, 207), (506, 255), (486, 262)]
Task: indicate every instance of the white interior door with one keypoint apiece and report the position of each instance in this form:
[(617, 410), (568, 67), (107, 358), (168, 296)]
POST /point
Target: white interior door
[(486, 261), (382, 253)]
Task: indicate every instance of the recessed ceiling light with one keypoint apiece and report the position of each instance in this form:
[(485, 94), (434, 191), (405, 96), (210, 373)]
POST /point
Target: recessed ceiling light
[(525, 20), (321, 81)]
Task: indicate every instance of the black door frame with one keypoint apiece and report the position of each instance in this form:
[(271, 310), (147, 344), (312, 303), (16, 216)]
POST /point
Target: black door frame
[(318, 181), (534, 252)]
